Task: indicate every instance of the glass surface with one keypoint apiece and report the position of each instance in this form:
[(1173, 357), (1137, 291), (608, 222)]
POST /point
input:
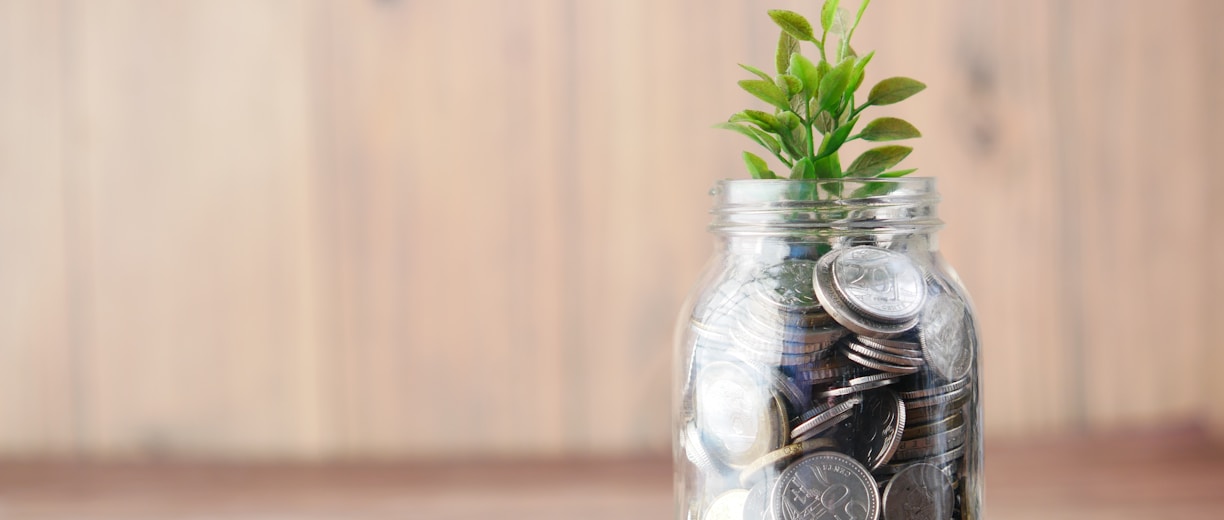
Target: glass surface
[(827, 360)]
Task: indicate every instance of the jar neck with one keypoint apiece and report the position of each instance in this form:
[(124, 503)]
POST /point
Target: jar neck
[(823, 210)]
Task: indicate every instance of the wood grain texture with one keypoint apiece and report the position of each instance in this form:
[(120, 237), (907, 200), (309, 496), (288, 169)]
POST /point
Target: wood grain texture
[(190, 140), (36, 313), (1142, 476), (314, 229)]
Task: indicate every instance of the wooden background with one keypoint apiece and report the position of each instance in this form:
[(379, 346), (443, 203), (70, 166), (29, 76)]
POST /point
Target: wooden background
[(266, 229)]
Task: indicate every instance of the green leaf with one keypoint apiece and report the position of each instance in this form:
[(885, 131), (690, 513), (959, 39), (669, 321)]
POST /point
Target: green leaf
[(768, 141), (766, 91), (803, 169), (759, 73), (873, 189), (889, 129), (793, 134), (824, 122), (859, 18), (790, 84), (828, 167), (841, 23), (764, 120), (833, 86), (805, 70), (757, 136), (876, 160), (894, 90), (828, 13), (856, 77), (787, 45), (794, 24), (758, 167), (897, 173), (835, 140), (746, 131)]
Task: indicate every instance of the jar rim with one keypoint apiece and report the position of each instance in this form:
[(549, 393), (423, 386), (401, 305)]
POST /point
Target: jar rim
[(785, 206)]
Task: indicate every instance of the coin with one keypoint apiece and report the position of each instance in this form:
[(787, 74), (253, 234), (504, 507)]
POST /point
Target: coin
[(877, 346), (832, 422), (756, 506), (823, 419), (861, 384), (825, 485), (695, 451), (728, 506), (884, 356), (938, 460), (781, 455), (879, 365), (931, 445), (832, 302), (788, 285), (947, 337), (826, 371), (919, 492), (920, 393), (737, 413), (880, 284), (936, 400), (886, 343), (874, 432), (942, 425)]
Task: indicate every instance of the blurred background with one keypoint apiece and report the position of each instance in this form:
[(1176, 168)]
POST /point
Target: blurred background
[(287, 232)]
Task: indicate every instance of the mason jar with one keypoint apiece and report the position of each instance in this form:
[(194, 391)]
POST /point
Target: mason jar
[(827, 361)]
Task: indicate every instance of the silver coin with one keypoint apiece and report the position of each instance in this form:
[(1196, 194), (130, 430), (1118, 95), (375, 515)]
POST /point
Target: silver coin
[(943, 425), (947, 337), (931, 445), (737, 414), (937, 400), (769, 313), (728, 506), (788, 285), (884, 356), (824, 419), (824, 486), (897, 344), (834, 369), (919, 492), (770, 461), (933, 391), (905, 352), (785, 339), (832, 301), (832, 422), (881, 284), (880, 365), (787, 388), (756, 506), (938, 460), (861, 384), (696, 452), (874, 433)]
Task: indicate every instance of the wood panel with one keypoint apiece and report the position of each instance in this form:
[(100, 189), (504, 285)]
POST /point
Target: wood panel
[(448, 175), (190, 137), (366, 229), (36, 311)]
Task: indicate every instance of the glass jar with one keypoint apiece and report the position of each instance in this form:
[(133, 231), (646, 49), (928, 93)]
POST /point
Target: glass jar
[(827, 360)]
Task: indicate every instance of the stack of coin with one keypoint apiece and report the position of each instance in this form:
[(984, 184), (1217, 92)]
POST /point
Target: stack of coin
[(783, 324), (852, 372)]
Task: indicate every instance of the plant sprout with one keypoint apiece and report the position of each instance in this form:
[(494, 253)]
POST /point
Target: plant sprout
[(813, 100)]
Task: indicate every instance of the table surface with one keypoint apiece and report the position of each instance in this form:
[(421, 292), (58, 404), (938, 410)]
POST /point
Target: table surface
[(1168, 476)]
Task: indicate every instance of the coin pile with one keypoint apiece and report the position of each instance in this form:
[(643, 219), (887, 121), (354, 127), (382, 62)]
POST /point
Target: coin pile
[(835, 388)]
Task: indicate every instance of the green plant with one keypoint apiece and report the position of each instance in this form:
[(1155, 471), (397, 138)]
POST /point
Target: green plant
[(814, 111)]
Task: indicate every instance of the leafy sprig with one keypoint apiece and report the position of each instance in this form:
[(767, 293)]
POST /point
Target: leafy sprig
[(813, 103)]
